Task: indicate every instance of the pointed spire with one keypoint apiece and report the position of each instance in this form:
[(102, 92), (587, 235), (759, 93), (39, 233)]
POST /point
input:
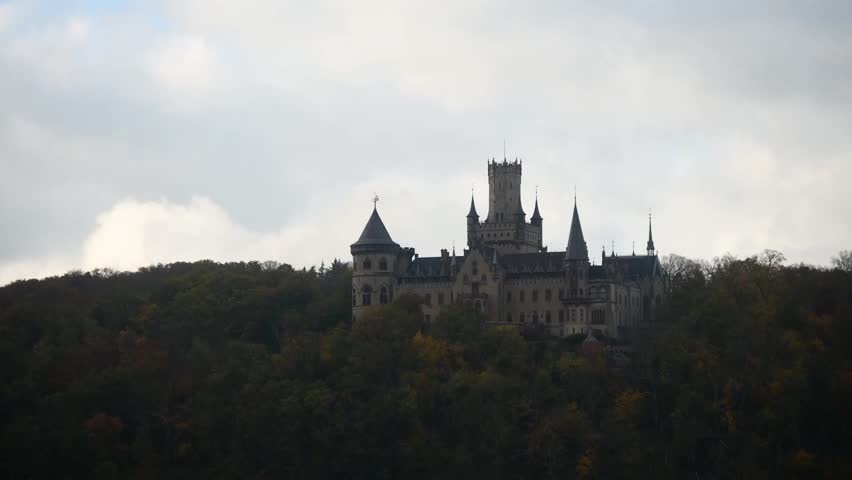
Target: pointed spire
[(472, 213), (536, 217), (650, 247), (577, 249), (375, 232)]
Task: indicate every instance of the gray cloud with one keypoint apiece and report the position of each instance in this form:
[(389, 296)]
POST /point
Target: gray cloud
[(730, 121)]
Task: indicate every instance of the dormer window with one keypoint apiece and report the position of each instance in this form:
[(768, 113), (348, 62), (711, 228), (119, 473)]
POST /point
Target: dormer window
[(383, 264)]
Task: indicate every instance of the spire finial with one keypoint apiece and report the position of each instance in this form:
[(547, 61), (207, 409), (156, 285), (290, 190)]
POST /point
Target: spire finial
[(612, 252), (536, 193), (504, 148), (375, 200), (634, 248), (650, 250), (575, 194)]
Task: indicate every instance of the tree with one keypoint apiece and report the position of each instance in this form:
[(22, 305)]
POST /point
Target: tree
[(843, 261)]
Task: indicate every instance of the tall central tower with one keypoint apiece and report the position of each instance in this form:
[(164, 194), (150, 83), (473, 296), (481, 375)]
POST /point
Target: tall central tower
[(504, 192), (505, 228)]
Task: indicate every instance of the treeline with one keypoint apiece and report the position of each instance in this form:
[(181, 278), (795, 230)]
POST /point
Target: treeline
[(254, 370)]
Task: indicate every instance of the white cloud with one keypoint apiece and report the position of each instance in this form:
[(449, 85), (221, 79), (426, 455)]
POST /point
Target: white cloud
[(186, 67)]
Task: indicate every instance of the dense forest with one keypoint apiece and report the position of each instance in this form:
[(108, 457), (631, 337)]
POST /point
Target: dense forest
[(255, 370)]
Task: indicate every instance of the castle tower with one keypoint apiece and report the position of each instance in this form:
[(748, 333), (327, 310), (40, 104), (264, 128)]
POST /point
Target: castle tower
[(472, 223), (374, 263), (576, 258), (505, 228), (504, 192)]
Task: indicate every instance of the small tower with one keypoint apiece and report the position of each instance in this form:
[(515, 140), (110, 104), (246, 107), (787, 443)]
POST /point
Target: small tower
[(576, 258), (472, 223), (374, 262), (651, 251)]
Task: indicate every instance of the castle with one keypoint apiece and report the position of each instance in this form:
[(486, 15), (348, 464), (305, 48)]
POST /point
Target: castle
[(508, 275)]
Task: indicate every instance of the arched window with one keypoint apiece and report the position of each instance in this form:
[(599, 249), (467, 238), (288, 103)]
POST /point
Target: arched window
[(522, 296), (366, 295), (383, 264), (367, 264), (509, 317), (547, 295), (535, 296), (383, 295), (547, 316), (535, 317), (474, 268), (508, 297), (354, 296)]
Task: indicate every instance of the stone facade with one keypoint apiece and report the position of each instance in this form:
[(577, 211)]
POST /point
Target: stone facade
[(508, 274)]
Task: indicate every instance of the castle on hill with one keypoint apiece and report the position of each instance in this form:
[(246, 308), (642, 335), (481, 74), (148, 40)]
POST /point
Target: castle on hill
[(508, 275)]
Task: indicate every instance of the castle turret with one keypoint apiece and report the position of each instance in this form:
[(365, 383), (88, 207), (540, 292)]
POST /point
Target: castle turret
[(504, 191), (536, 217), (650, 250), (576, 258), (374, 263), (472, 223)]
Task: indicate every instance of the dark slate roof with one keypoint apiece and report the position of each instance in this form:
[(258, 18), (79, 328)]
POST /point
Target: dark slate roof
[(536, 216), (597, 272), (636, 265), (472, 212), (428, 268), (533, 263), (375, 232), (520, 209), (576, 243)]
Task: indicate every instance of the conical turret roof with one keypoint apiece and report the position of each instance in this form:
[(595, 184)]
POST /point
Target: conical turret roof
[(472, 212), (375, 232), (536, 217), (576, 243)]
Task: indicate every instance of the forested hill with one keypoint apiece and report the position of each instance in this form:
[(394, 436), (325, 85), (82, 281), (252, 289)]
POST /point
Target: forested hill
[(250, 370)]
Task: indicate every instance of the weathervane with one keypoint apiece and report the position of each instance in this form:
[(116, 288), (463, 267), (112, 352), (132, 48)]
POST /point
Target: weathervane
[(375, 200)]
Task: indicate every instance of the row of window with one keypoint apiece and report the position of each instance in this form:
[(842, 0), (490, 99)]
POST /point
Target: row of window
[(574, 316), (368, 264), (367, 296), (548, 295)]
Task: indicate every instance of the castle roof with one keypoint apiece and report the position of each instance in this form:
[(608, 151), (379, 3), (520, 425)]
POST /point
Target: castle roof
[(577, 249), (472, 212), (536, 217), (375, 233), (635, 265)]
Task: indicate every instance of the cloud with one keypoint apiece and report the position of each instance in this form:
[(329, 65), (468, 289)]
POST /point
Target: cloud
[(730, 121)]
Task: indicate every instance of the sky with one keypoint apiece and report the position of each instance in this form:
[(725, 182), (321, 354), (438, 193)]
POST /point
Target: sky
[(143, 132)]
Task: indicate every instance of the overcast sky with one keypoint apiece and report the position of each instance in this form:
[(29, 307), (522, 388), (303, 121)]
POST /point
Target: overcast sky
[(133, 133)]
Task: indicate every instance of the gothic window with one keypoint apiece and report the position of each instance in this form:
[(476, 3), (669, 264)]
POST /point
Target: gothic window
[(353, 297), (561, 316), (535, 317), (428, 299), (383, 295), (509, 317), (573, 315), (508, 297), (581, 292), (366, 294), (367, 264), (440, 298), (521, 299), (582, 315), (383, 264), (535, 295), (547, 316), (475, 268), (547, 295)]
